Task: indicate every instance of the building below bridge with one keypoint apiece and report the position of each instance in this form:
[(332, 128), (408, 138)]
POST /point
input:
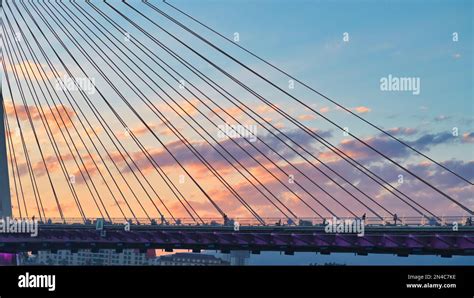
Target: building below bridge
[(235, 257), (191, 259), (128, 257)]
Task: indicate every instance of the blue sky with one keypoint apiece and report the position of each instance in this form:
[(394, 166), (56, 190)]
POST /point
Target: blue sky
[(402, 38)]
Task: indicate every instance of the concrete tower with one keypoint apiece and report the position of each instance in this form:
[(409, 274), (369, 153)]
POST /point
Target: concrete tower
[(5, 199)]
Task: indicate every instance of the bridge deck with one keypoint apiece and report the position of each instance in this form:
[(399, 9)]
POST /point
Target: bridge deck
[(401, 240)]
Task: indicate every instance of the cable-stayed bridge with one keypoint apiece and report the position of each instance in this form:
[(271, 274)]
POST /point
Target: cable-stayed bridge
[(84, 86)]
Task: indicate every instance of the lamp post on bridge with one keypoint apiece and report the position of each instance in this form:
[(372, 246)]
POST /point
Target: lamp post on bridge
[(5, 199)]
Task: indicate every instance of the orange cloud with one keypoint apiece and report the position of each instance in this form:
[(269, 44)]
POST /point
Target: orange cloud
[(182, 108), (468, 137), (402, 130), (51, 115), (116, 156), (324, 110), (94, 130), (52, 164), (89, 168), (31, 68), (263, 108), (280, 125), (232, 111), (137, 131), (189, 108), (306, 117), (361, 109)]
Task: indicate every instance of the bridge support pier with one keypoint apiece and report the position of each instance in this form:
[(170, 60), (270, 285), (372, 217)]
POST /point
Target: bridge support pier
[(5, 198)]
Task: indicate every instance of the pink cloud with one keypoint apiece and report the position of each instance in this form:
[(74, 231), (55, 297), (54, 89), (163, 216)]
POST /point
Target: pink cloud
[(324, 110), (407, 131), (361, 109), (468, 137), (306, 117)]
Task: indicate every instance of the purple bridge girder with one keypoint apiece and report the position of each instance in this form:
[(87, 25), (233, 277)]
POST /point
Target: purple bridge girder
[(445, 243)]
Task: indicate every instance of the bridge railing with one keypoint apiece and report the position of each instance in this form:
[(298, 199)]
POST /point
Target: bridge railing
[(277, 221)]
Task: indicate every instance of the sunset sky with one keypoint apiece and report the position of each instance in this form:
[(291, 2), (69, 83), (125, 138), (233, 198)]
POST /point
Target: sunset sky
[(304, 38)]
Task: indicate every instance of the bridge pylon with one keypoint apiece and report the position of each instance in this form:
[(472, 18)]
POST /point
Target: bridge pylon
[(5, 198)]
